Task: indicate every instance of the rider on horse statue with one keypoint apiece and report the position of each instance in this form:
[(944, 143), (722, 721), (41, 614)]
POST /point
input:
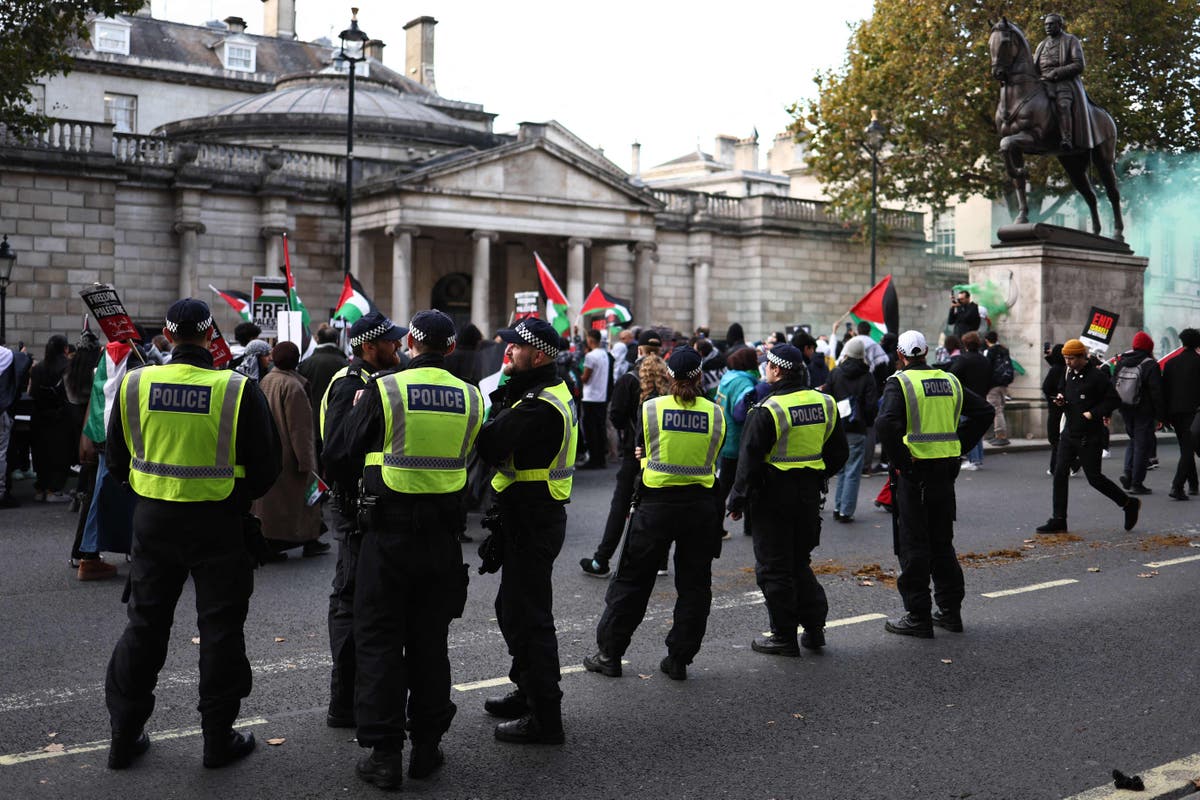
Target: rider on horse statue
[(1059, 60)]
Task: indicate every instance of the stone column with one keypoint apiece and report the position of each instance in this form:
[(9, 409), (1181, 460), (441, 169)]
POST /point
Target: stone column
[(645, 254), (362, 261), (402, 272), (517, 265), (701, 273), (273, 241), (481, 279), (188, 256), (575, 256)]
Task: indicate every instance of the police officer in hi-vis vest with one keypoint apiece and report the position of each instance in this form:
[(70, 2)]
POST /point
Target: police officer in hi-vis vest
[(531, 439), (926, 421), (791, 444), (375, 342), (414, 430), (678, 440), (197, 445)]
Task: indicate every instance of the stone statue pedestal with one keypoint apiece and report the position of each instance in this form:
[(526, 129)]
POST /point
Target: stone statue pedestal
[(1055, 275)]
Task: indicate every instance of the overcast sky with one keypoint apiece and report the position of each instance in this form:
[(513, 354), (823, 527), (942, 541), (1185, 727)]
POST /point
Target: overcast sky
[(668, 74)]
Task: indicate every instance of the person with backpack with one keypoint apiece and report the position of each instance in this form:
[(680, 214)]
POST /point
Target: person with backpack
[(1139, 384), (1181, 388), (1002, 375)]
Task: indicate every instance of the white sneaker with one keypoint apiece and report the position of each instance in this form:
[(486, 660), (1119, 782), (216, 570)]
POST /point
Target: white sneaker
[(57, 497), (1106, 454), (971, 466), (662, 573)]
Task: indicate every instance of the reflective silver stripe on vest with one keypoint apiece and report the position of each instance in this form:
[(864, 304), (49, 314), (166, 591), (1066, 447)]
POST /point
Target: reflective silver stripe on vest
[(561, 474), (474, 409), (654, 461), (650, 409), (178, 471), (423, 462), (718, 437), (389, 386), (914, 413), (134, 415), (223, 466), (228, 418), (560, 463), (780, 456)]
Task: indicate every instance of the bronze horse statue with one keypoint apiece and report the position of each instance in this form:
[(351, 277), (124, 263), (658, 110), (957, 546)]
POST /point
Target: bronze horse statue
[(1027, 123)]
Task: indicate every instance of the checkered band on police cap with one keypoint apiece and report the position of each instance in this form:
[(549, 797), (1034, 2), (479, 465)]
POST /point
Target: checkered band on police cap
[(371, 334), (188, 316), (433, 326), (532, 338), (684, 363), (786, 356)]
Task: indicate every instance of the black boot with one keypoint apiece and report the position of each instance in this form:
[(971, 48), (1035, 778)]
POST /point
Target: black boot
[(425, 758), (338, 717), (225, 747), (813, 640), (776, 645), (673, 668), (528, 730), (604, 664), (1131, 508), (124, 750), (948, 620), (382, 768), (511, 706), (911, 625), (1053, 525)]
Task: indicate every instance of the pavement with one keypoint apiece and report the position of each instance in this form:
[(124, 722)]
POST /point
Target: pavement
[(1076, 660)]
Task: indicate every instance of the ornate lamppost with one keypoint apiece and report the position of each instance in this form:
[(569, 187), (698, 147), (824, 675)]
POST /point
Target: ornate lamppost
[(872, 143), (8, 259), (352, 53)]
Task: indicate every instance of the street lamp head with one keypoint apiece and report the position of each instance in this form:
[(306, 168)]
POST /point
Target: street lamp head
[(8, 259), (875, 132), (353, 39)]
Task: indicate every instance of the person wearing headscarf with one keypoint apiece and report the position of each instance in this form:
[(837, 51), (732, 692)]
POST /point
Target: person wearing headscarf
[(256, 361)]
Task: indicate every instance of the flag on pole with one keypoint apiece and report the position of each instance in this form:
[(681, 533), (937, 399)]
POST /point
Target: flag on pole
[(294, 301), (880, 308), (556, 301), (105, 383), (354, 303), (614, 308), (238, 301), (316, 490)]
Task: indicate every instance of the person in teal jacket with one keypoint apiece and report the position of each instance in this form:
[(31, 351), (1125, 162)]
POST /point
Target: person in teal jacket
[(740, 378)]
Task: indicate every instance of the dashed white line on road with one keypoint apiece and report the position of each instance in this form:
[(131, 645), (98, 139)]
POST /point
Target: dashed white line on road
[(837, 623), (1171, 562), (493, 682), (1033, 588)]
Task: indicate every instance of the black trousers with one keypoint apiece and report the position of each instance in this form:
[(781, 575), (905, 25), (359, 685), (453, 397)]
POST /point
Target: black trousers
[(170, 542), (923, 497), (411, 583), (534, 533), (692, 522), (1140, 427), (618, 511), (595, 432), (1185, 472), (341, 610), (1087, 451), (785, 534)]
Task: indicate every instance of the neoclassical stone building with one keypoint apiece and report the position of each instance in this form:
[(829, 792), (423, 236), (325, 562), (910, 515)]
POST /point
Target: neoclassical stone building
[(446, 212)]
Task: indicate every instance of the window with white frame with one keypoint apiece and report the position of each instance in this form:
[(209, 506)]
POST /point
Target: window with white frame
[(110, 35), (121, 111), (239, 56), (943, 233)]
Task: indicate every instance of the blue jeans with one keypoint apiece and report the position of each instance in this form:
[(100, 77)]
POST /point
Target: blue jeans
[(975, 454), (90, 543), (846, 496)]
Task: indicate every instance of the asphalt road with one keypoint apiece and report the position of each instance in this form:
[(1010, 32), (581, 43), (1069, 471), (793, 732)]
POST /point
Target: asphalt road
[(1044, 694)]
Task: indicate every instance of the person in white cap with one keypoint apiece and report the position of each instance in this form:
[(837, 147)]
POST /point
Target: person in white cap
[(927, 420)]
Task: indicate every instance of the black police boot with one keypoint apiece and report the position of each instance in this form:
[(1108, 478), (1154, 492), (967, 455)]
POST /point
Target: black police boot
[(424, 760), (813, 640), (1126, 482), (530, 729), (338, 717), (1132, 507), (605, 665), (225, 747), (512, 706), (382, 768), (949, 620), (776, 645), (1053, 525), (911, 625), (673, 668), (124, 750), (1178, 494)]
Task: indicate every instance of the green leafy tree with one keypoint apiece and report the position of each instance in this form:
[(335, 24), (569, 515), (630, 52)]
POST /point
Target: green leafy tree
[(36, 39), (924, 65)]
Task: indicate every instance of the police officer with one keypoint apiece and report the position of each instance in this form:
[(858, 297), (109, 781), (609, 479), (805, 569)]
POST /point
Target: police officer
[(678, 441), (926, 421), (375, 341), (792, 443), (531, 439), (414, 429), (197, 445)]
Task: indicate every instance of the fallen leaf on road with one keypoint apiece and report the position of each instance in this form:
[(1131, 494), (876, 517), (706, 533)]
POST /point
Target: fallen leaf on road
[(279, 639), (1027, 547), (797, 715), (1149, 574), (276, 742), (1029, 541), (51, 734), (53, 748), (195, 640), (947, 661), (866, 583), (1093, 569), (770, 722), (645, 677)]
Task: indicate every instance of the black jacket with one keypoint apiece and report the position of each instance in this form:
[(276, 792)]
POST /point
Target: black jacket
[(258, 448), (852, 379), (993, 354), (1181, 382), (1091, 390), (973, 370), (892, 423), (758, 437), (623, 408), (964, 318), (1151, 401), (341, 471)]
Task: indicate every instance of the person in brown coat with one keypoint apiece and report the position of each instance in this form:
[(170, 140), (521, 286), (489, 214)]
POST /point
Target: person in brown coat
[(287, 519)]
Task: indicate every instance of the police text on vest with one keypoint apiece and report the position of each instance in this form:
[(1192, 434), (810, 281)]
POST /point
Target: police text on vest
[(807, 415), (429, 397), (685, 421), (180, 397), (937, 387)]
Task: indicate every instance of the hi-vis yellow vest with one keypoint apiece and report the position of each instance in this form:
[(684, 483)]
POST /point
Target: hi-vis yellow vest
[(682, 442), (934, 402), (337, 376), (559, 474), (431, 419), (180, 427), (804, 421)]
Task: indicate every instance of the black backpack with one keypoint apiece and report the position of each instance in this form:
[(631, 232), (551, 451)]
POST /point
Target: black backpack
[(1002, 367)]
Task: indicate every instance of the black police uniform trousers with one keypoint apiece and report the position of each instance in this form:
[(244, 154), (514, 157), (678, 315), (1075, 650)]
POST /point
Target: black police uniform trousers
[(344, 524), (923, 497), (170, 542), (411, 582), (618, 511), (533, 536), (1185, 471), (1086, 450), (787, 528), (690, 519)]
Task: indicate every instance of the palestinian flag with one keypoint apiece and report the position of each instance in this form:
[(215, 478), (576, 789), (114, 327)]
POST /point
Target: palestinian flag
[(294, 301), (556, 301), (238, 301), (880, 308), (354, 304), (316, 490), (615, 309), (105, 384)]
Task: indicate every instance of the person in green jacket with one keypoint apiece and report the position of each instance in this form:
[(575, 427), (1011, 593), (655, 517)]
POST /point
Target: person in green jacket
[(740, 379)]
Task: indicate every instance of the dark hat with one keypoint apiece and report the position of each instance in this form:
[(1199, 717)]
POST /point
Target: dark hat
[(786, 356), (684, 363), (189, 317), (432, 327), (375, 327), (649, 338), (536, 332)]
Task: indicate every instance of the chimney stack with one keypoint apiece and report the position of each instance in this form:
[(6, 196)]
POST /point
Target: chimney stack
[(418, 51), (279, 18), (637, 160), (235, 24), (725, 149), (745, 156), (374, 49)]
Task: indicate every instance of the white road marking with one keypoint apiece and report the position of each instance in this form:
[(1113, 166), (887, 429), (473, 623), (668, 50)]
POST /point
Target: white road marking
[(837, 623), (1035, 587), (1169, 780), (102, 744), (493, 682), (1171, 562)]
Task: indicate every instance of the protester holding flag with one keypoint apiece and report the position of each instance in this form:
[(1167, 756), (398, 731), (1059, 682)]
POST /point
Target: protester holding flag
[(557, 309), (287, 519)]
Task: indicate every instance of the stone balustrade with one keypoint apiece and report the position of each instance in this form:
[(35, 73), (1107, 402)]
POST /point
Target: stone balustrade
[(720, 207)]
